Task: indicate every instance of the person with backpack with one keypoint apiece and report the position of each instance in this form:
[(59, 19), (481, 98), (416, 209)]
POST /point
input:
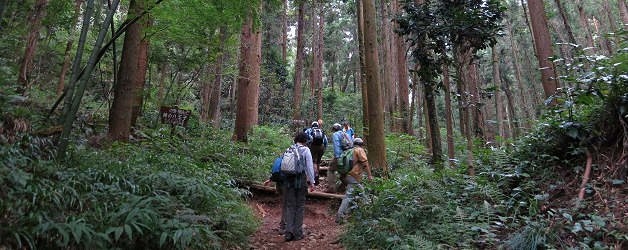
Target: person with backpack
[(297, 168), (337, 139), (349, 130), (278, 178), (317, 143), (354, 162)]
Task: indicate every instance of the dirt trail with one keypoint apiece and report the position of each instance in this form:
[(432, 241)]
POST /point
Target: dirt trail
[(318, 223)]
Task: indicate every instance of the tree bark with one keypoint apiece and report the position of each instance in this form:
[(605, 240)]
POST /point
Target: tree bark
[(205, 93), (522, 90), (68, 49), (162, 82), (432, 121), (319, 64), (543, 45), (387, 84), (584, 21), (75, 100), (563, 16), (34, 21), (214, 100), (142, 65), (284, 40), (376, 143), (611, 20), (623, 11), (314, 65), (512, 113), (125, 88), (245, 81), (449, 118), (498, 98), (299, 63), (362, 70), (256, 65), (474, 99), (402, 78)]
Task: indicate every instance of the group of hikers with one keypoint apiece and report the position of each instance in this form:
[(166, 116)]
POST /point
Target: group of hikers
[(296, 173)]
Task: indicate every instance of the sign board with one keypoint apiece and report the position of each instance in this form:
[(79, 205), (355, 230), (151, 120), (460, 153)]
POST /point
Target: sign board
[(175, 116)]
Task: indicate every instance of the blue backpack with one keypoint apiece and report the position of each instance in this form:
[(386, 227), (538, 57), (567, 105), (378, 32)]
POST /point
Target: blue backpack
[(276, 175)]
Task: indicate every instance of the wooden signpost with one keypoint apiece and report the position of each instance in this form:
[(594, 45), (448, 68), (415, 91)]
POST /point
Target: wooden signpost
[(174, 116)]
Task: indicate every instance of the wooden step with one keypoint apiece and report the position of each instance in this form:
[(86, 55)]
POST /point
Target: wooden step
[(316, 194)]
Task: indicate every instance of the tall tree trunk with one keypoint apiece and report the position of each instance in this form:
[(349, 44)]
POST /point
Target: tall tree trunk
[(362, 70), (522, 90), (376, 143), (623, 11), (245, 81), (511, 111), (299, 63), (474, 99), (314, 46), (607, 41), (611, 20), (319, 65), (34, 21), (525, 17), (584, 20), (124, 90), (256, 76), (142, 65), (498, 98), (75, 100), (388, 94), (543, 45), (162, 82), (563, 16), (426, 116), (449, 118), (413, 89), (432, 121), (402, 77), (214, 99), (68, 49), (206, 91), (284, 40)]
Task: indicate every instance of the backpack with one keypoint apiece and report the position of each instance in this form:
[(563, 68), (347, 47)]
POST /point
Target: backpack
[(317, 136), (345, 163), (276, 174), (347, 141), (292, 163)]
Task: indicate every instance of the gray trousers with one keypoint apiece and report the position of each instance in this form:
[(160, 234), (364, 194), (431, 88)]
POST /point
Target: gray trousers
[(352, 183), (282, 193), (294, 209)]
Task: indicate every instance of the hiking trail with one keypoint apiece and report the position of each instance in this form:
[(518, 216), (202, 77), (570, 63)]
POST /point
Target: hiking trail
[(318, 222)]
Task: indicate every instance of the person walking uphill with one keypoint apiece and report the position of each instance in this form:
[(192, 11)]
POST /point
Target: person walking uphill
[(317, 143), (298, 170), (354, 177), (337, 137)]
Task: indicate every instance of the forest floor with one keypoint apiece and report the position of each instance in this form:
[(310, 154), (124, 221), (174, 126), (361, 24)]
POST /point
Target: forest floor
[(318, 223)]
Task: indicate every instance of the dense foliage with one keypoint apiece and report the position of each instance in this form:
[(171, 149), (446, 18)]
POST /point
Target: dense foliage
[(163, 193)]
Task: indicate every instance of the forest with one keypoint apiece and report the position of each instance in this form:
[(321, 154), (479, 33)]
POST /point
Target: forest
[(152, 124)]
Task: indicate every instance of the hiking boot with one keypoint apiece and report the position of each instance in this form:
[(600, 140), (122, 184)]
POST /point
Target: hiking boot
[(339, 220), (300, 237), (289, 236)]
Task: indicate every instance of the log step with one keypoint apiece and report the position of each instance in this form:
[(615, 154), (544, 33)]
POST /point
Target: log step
[(311, 194)]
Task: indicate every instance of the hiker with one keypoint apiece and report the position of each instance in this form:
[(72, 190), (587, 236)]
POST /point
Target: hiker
[(296, 186), (278, 179), (317, 143), (354, 177), (331, 174), (348, 129)]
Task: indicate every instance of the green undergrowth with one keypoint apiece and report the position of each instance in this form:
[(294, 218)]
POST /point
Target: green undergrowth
[(162, 193), (418, 208)]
